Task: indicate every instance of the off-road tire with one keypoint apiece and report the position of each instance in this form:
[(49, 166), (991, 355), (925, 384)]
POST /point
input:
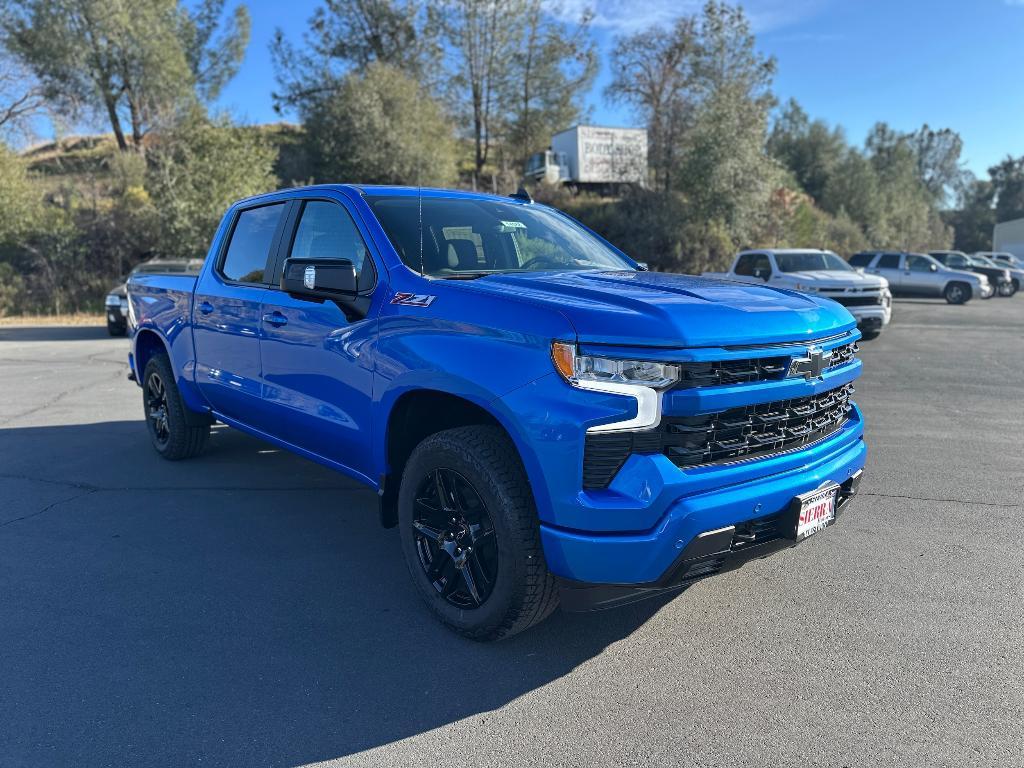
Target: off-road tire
[(524, 592), (186, 431)]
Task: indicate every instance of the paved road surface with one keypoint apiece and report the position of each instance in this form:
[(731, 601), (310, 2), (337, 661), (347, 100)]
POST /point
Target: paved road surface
[(244, 609)]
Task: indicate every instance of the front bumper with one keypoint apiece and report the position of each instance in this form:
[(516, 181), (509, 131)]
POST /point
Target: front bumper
[(117, 314), (872, 318), (709, 553), (644, 558)]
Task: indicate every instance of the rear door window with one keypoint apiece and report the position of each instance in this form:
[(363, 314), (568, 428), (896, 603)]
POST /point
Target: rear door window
[(249, 249), (889, 261)]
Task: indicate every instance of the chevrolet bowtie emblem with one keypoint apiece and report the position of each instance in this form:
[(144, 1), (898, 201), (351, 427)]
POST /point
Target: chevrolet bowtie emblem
[(812, 366)]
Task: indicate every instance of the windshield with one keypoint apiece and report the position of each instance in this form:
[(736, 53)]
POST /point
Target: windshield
[(982, 261), (471, 238), (811, 261)]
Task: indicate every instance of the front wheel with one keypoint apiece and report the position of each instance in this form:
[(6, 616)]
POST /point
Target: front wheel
[(1007, 289), (957, 293), (470, 534)]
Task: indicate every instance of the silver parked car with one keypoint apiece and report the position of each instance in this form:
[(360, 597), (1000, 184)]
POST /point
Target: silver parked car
[(915, 274)]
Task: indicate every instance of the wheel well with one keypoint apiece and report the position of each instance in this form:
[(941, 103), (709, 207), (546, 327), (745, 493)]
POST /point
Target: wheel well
[(147, 344), (415, 416)]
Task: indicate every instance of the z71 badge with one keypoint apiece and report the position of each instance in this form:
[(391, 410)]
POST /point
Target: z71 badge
[(413, 299)]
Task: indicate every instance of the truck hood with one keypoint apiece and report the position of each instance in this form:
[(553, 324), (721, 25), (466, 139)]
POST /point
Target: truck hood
[(836, 279), (654, 309)]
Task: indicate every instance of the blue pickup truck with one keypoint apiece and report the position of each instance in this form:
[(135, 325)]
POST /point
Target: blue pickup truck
[(543, 419)]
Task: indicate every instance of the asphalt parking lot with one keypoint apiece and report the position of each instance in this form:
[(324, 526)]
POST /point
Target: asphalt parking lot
[(245, 609)]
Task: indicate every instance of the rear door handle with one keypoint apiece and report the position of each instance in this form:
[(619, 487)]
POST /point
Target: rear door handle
[(275, 319), (206, 307)]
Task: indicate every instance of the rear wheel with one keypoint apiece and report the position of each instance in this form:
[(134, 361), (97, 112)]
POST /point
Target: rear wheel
[(176, 432), (957, 293), (470, 534)]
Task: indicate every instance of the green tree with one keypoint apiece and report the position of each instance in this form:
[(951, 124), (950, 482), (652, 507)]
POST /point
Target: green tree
[(975, 218), (725, 173), (653, 74), (809, 149), (938, 162), (1008, 186), (381, 127), (553, 66), (130, 62), (196, 170), (483, 38), (347, 35)]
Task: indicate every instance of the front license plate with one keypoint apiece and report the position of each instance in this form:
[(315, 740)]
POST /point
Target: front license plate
[(817, 510)]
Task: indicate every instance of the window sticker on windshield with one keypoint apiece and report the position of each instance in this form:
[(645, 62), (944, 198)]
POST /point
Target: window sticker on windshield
[(504, 227)]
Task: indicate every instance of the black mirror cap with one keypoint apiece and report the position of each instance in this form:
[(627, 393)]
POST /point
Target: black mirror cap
[(320, 278)]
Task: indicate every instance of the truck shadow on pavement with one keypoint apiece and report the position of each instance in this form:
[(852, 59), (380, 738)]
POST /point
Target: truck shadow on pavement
[(54, 333), (243, 608)]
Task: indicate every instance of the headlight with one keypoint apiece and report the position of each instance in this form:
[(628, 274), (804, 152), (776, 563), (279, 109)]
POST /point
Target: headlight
[(577, 369), (113, 300), (641, 379), (982, 280), (805, 288)]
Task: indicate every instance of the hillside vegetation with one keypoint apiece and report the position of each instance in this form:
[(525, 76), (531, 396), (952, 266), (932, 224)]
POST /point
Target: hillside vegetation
[(453, 94)]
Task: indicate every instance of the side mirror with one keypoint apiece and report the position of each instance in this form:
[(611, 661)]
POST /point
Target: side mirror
[(933, 267), (320, 278)]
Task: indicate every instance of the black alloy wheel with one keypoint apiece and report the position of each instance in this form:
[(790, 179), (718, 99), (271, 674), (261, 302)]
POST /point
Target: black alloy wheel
[(156, 409), (176, 432), (455, 540)]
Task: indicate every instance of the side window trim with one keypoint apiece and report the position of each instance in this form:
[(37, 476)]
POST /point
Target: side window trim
[(286, 240), (218, 267)]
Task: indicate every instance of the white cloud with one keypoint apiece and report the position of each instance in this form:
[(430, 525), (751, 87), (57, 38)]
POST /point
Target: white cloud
[(624, 16)]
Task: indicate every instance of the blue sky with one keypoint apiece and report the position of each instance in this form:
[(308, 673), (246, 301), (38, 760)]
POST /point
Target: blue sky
[(949, 63)]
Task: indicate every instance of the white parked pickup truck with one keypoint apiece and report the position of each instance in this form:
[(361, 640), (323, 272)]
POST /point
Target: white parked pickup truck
[(822, 273)]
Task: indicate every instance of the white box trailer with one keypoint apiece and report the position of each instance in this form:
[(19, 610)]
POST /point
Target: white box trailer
[(591, 155), (1008, 237)]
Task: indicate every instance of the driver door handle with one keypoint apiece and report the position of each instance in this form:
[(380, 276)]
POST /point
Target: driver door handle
[(206, 307), (275, 319)]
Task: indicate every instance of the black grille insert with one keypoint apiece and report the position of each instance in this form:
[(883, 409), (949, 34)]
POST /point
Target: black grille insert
[(716, 373), (855, 301), (755, 430), (735, 435)]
